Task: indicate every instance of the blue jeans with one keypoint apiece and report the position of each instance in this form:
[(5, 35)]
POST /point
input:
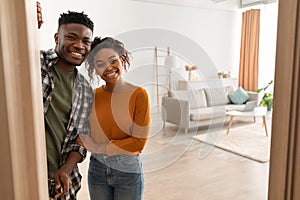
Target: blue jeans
[(116, 177)]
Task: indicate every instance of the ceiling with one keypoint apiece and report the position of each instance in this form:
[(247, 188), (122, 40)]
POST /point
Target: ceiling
[(206, 4), (211, 4)]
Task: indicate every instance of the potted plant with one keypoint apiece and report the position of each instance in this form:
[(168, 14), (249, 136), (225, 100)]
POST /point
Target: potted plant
[(267, 98), (220, 74)]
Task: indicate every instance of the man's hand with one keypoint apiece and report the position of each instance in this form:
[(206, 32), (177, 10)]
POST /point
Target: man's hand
[(62, 181), (62, 176), (39, 14)]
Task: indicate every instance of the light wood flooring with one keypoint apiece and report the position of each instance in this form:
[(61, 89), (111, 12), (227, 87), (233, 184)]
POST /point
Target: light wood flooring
[(174, 170)]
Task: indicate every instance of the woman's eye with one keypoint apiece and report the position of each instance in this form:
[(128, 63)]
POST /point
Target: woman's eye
[(114, 61), (100, 65)]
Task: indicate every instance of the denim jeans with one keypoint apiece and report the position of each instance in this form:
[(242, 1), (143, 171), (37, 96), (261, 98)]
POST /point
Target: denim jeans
[(116, 177)]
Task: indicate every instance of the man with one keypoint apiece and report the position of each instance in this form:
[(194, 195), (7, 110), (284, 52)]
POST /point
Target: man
[(67, 99)]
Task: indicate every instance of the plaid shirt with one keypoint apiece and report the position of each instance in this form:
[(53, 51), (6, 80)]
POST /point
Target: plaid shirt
[(82, 99)]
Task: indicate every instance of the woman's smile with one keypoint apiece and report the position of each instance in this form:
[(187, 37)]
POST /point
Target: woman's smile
[(111, 74)]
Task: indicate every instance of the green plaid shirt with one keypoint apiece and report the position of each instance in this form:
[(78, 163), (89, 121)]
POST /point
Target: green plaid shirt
[(82, 100)]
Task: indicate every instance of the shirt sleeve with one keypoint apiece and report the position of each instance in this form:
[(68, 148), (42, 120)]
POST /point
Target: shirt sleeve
[(80, 149)]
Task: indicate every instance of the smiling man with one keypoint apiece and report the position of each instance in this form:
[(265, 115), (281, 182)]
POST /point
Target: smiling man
[(67, 99)]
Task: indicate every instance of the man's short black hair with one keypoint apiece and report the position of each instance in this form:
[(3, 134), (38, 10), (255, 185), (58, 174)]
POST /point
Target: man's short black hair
[(75, 17)]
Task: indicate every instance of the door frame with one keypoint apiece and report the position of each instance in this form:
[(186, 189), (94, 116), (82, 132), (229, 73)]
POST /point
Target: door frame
[(284, 176), (22, 143)]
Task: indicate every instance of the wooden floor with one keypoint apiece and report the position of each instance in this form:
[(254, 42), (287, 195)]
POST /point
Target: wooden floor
[(181, 173)]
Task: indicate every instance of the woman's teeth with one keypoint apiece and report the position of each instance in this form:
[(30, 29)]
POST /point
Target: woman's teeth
[(111, 74)]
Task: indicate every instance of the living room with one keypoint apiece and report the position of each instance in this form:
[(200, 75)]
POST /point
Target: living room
[(50, 44), (21, 115), (213, 27)]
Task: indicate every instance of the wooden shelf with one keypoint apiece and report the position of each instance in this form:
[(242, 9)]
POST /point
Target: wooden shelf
[(213, 83)]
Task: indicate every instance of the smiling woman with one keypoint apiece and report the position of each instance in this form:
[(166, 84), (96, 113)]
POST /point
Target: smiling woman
[(122, 120)]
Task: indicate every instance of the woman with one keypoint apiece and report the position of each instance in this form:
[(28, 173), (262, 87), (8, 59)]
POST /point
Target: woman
[(120, 123)]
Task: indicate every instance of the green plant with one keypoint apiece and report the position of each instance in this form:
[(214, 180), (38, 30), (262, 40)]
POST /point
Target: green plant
[(267, 98), (220, 74)]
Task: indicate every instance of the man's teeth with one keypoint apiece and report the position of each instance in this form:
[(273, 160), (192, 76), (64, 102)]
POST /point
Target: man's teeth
[(76, 54)]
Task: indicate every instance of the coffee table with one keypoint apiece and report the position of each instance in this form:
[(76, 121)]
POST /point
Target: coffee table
[(257, 112)]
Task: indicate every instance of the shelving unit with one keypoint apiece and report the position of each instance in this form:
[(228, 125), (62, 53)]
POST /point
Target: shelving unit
[(188, 85), (162, 76)]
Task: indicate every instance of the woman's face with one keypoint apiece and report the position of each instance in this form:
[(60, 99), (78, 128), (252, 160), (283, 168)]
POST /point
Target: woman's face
[(108, 65)]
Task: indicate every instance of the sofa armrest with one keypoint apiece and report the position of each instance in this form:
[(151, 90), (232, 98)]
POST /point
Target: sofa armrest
[(253, 96), (176, 111)]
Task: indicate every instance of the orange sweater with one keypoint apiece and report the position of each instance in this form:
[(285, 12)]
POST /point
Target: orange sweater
[(124, 119)]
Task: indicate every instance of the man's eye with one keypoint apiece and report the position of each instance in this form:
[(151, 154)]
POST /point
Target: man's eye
[(87, 42), (69, 37)]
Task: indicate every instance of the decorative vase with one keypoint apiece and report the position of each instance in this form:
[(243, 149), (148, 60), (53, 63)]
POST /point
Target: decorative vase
[(190, 75), (269, 108)]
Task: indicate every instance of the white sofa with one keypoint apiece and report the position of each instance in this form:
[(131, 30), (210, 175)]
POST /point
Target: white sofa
[(194, 108)]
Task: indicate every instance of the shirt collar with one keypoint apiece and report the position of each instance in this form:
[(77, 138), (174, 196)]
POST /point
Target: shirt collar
[(53, 59)]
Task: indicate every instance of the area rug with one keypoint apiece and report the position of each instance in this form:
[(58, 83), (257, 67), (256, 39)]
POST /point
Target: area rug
[(248, 141)]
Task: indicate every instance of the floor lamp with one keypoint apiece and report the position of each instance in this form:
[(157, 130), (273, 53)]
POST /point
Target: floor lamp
[(171, 62)]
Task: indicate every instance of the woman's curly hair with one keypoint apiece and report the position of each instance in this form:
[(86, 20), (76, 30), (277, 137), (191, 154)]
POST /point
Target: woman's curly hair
[(106, 43)]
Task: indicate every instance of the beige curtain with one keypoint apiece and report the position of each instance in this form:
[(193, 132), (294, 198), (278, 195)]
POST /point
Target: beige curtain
[(248, 71)]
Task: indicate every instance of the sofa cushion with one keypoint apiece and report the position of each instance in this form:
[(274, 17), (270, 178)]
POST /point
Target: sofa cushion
[(237, 107), (216, 96), (239, 96), (196, 98), (207, 113)]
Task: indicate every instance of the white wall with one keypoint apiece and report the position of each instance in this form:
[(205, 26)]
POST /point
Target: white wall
[(267, 48), (217, 32), (214, 31)]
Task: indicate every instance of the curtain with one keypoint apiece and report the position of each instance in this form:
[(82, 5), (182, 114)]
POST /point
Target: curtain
[(248, 70)]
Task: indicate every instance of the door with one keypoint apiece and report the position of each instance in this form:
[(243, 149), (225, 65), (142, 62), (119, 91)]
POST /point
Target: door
[(22, 144)]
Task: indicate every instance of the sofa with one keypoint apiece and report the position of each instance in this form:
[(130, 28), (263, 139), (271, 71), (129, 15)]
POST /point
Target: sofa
[(205, 106)]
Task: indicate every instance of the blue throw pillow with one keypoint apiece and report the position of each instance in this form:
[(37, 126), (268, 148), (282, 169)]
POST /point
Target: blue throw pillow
[(239, 96)]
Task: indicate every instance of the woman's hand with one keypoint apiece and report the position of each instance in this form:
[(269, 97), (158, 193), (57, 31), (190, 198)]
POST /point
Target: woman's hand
[(92, 146)]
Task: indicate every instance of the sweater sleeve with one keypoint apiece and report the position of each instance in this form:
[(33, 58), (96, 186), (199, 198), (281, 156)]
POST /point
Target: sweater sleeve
[(140, 106)]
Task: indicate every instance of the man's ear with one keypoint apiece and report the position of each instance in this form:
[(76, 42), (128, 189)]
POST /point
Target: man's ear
[(56, 38)]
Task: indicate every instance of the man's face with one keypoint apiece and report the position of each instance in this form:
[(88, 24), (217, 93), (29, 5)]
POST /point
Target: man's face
[(73, 43)]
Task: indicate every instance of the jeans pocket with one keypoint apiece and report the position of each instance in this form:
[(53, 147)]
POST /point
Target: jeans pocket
[(127, 160), (129, 163)]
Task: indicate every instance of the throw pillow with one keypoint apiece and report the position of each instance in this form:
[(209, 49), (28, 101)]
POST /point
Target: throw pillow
[(216, 96), (195, 97), (228, 89), (239, 96)]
